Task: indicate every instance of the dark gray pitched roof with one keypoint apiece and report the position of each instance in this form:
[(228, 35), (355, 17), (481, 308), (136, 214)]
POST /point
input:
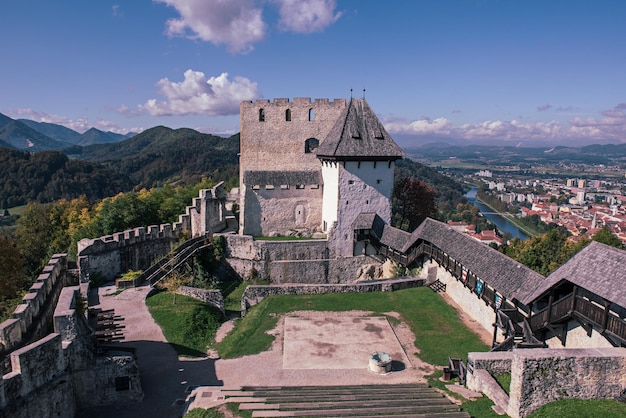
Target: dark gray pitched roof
[(598, 268), (282, 177), (358, 135), (510, 278)]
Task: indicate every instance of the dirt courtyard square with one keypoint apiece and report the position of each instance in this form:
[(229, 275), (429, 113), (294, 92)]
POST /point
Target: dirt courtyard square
[(336, 342)]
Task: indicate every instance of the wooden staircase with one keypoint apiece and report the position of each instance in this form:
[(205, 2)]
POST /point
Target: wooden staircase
[(399, 400)]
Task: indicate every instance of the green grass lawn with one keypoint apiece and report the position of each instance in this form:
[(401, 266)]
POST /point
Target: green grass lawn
[(439, 331), (592, 408), (189, 324)]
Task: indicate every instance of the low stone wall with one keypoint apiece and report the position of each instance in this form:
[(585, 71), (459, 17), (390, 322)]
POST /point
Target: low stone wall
[(540, 376), (255, 294), (212, 297), (31, 319)]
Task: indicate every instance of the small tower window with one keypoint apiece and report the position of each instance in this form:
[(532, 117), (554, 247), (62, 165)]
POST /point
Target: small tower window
[(311, 114), (261, 115), (288, 115), (310, 144)]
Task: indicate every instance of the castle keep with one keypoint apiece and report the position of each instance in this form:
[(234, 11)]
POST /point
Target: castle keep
[(313, 166)]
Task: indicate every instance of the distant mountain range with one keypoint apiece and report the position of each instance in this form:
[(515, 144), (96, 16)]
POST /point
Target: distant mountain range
[(25, 134)]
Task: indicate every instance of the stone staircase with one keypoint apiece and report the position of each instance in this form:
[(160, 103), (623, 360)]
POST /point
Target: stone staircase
[(399, 400)]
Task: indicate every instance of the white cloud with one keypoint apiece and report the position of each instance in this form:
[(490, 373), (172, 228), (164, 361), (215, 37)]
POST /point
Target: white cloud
[(239, 24), (235, 23), (306, 16), (199, 95), (613, 126)]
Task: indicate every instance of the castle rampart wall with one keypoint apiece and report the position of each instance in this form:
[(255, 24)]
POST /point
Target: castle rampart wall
[(33, 316), (139, 248)]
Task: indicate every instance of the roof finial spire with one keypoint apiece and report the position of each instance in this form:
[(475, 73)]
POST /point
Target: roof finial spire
[(364, 93), (350, 93)]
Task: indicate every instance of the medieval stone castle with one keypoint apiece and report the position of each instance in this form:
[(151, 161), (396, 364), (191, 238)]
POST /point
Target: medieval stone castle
[(323, 170)]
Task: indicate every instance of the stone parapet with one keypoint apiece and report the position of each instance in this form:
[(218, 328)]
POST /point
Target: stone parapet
[(210, 296), (139, 248), (30, 317), (543, 375), (255, 294)]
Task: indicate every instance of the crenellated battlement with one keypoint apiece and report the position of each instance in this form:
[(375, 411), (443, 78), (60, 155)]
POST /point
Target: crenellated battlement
[(296, 102), (138, 248), (29, 317)]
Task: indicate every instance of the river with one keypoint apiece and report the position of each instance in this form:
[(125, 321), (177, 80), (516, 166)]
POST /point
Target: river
[(503, 224)]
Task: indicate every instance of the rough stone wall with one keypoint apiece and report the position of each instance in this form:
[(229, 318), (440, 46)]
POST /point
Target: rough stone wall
[(304, 261), (540, 376), (39, 385), (32, 318), (93, 376), (134, 249), (469, 301), (212, 297), (277, 144), (278, 211), (139, 248), (255, 294)]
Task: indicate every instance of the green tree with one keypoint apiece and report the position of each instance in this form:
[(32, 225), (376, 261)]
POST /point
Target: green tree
[(34, 234), (12, 279), (412, 202), (605, 236)]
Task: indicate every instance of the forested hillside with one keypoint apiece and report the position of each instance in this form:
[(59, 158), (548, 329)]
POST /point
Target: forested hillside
[(47, 176), (162, 155), (156, 157)]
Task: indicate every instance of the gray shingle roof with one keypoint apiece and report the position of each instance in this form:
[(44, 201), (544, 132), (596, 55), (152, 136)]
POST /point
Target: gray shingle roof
[(282, 177), (358, 134), (510, 278), (598, 268)]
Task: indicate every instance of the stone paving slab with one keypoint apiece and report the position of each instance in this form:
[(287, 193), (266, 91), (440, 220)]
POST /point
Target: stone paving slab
[(338, 342)]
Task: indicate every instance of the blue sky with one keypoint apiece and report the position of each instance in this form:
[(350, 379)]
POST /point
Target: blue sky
[(512, 70)]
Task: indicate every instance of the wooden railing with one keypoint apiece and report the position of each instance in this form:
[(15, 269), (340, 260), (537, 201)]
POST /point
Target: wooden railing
[(566, 307)]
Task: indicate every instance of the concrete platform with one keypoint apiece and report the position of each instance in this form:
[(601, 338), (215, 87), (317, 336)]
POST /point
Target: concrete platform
[(339, 343)]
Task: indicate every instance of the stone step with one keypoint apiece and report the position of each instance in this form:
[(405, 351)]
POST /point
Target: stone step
[(358, 387), (346, 404), (350, 397), (382, 411)]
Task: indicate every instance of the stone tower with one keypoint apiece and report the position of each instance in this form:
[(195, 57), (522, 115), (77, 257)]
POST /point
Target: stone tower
[(280, 176), (358, 159)]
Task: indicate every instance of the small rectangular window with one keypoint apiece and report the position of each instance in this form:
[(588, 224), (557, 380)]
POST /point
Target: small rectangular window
[(269, 187), (299, 186), (256, 187), (315, 186), (284, 186), (350, 181)]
